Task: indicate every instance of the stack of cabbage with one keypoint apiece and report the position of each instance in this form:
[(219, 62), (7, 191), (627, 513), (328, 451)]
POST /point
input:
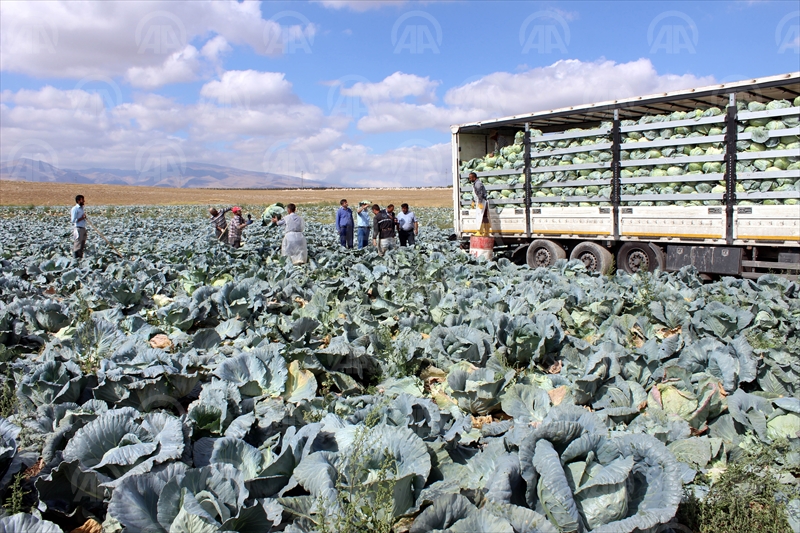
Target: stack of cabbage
[(654, 153), (504, 187), (667, 128), (571, 185), (767, 135)]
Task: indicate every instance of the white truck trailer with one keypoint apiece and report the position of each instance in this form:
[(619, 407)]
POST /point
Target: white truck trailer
[(708, 177)]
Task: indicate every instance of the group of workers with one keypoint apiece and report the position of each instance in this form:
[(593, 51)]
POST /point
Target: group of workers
[(384, 225)]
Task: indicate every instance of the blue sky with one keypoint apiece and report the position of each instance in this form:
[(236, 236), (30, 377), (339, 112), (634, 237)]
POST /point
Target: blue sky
[(353, 92)]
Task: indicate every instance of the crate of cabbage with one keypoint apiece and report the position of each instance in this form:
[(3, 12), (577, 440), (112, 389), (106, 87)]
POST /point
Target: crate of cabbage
[(708, 177)]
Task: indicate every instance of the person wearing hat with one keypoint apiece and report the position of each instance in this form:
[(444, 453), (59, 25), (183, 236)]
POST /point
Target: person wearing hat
[(238, 223), (362, 223)]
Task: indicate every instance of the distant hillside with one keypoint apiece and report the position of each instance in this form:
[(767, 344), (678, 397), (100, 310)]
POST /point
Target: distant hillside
[(190, 176)]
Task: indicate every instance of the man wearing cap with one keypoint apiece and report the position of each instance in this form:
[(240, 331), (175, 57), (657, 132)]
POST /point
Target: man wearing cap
[(362, 219), (238, 223)]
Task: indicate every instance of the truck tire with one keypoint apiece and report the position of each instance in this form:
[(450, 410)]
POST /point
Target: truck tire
[(633, 257), (544, 253), (594, 256)]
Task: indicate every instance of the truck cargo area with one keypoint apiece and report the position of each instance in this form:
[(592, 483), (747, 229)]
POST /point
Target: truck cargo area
[(708, 177)]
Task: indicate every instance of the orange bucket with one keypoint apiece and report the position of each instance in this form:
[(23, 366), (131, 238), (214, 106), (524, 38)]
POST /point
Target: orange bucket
[(481, 247)]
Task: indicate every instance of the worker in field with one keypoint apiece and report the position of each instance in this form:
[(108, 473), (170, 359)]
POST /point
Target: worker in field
[(344, 224), (363, 223), (218, 221), (383, 223), (294, 245), (78, 218), (407, 226), (238, 223)]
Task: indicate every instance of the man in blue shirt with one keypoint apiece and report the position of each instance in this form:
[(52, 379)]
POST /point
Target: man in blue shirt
[(408, 226), (362, 217), (78, 219), (344, 225)]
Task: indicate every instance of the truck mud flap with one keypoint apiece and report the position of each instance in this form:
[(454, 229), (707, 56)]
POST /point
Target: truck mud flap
[(707, 259)]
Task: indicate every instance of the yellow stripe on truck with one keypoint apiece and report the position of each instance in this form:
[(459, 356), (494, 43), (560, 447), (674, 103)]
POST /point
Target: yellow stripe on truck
[(556, 232), (770, 238), (671, 235)]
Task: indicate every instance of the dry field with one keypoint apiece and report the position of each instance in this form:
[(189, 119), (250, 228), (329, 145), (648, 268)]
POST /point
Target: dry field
[(47, 194)]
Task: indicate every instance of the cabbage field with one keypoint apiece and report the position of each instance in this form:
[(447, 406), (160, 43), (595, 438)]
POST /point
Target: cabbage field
[(190, 387)]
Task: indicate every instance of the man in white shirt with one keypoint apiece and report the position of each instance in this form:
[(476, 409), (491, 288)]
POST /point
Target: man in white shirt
[(78, 218), (408, 225)]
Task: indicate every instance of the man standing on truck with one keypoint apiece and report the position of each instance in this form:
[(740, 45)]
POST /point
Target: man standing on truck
[(479, 199), (478, 191)]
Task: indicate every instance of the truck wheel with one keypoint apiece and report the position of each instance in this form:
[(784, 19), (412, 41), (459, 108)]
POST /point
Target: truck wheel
[(636, 256), (544, 253), (594, 256)]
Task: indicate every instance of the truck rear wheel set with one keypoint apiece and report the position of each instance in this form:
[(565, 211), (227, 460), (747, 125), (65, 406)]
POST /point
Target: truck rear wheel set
[(631, 257)]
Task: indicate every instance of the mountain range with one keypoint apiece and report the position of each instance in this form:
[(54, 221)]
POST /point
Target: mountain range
[(188, 175)]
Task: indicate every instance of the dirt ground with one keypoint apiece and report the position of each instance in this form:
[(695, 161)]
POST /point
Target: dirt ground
[(22, 193)]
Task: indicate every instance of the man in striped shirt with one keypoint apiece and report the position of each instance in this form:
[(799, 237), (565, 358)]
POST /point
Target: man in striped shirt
[(218, 220), (238, 223)]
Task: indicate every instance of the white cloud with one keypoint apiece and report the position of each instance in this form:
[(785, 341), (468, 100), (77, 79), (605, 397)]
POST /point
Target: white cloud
[(565, 83), (395, 87), (73, 39), (562, 84), (180, 67), (361, 5), (215, 48), (250, 87)]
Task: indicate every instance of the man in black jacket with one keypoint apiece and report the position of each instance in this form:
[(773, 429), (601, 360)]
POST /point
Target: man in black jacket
[(383, 229)]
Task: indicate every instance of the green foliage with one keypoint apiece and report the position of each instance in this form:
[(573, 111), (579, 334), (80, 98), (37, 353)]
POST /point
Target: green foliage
[(749, 496), (15, 500), (364, 509), (8, 397)]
